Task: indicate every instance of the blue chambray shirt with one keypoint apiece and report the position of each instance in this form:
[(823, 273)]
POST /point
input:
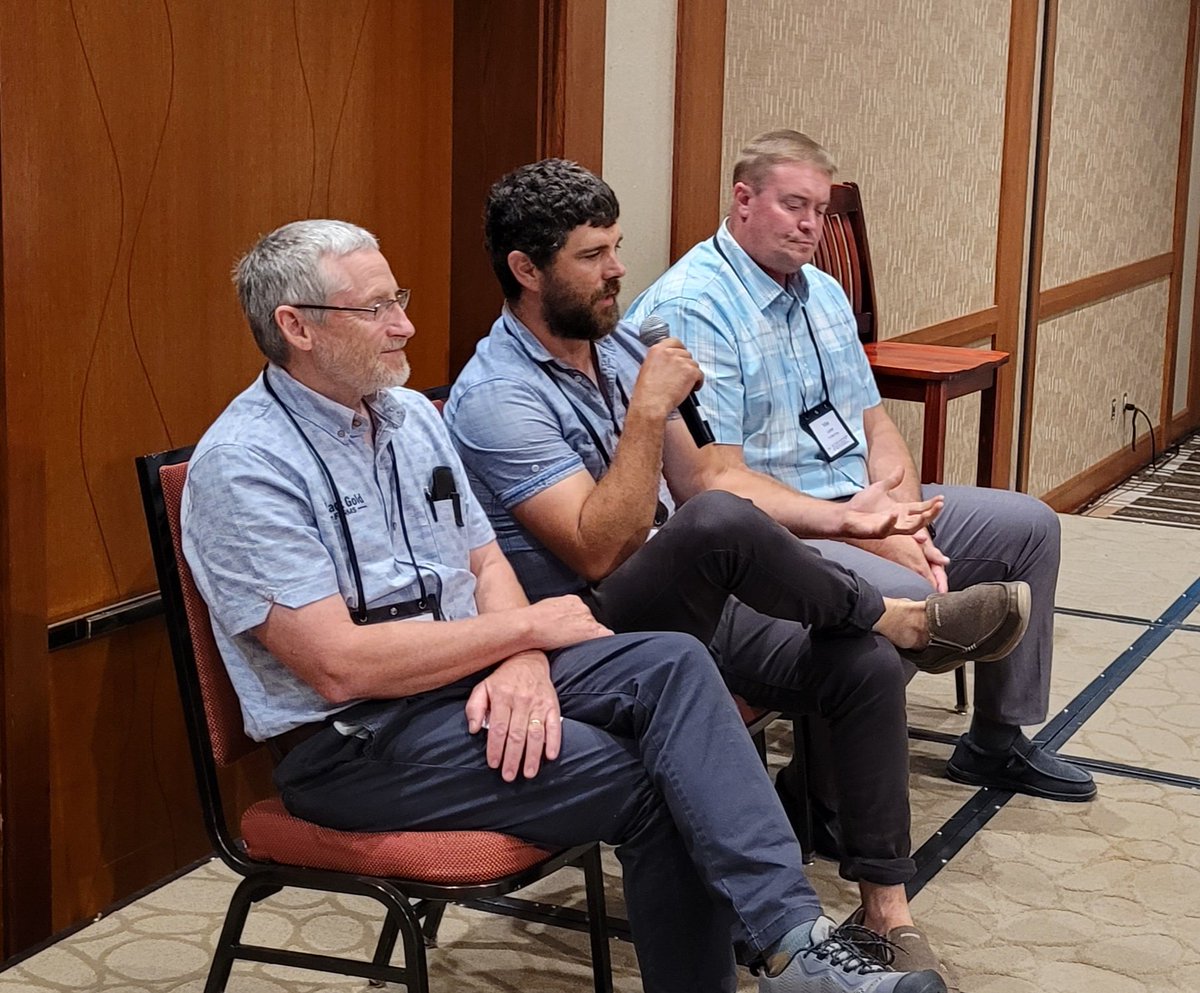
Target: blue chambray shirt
[(259, 526), (518, 417), (761, 372)]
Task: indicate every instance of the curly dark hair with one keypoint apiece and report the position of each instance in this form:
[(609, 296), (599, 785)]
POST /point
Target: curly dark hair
[(534, 208)]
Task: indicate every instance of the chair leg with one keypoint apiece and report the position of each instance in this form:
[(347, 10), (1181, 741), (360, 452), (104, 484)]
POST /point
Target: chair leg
[(593, 876), (960, 690), (387, 938), (249, 891), (433, 920), (415, 964), (760, 745)]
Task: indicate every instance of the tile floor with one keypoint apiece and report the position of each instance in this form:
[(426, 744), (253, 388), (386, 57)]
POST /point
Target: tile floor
[(1094, 898)]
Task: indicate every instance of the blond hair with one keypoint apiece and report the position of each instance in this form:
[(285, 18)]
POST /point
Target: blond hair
[(771, 148)]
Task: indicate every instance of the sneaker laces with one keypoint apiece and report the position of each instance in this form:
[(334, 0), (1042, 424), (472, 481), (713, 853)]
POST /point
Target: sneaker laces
[(845, 948), (871, 943)]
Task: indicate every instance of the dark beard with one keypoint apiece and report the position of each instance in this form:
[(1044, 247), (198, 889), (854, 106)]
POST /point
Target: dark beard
[(569, 317)]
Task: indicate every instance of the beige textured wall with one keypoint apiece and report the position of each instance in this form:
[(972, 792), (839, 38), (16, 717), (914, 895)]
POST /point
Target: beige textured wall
[(639, 117), (921, 132), (1083, 360), (1118, 89)]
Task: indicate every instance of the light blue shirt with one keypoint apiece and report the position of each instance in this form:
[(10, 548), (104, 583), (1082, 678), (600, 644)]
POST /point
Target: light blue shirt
[(521, 420), (259, 526), (761, 370)]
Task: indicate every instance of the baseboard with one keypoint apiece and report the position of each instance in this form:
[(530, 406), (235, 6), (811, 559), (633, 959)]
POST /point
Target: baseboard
[(1081, 489)]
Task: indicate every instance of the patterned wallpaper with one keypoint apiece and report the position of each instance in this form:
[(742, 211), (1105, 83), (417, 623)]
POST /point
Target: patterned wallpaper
[(1084, 359), (921, 132), (1118, 85)]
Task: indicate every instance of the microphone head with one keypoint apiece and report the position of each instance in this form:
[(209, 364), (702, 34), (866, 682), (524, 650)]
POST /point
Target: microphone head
[(653, 330)]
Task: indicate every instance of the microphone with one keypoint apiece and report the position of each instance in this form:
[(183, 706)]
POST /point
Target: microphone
[(653, 330)]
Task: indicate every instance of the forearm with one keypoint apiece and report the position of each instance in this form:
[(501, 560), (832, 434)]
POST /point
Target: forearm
[(617, 515), (345, 661), (886, 451), (803, 515), (497, 588)]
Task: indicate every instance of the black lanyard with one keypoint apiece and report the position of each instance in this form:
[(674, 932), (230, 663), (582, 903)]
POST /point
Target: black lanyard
[(553, 373), (791, 343), (795, 358), (360, 614)]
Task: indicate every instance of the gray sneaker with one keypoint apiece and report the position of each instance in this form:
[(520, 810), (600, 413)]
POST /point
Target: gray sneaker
[(982, 623), (832, 963)]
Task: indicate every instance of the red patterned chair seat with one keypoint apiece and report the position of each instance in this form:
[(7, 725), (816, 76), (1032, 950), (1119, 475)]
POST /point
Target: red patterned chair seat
[(446, 857)]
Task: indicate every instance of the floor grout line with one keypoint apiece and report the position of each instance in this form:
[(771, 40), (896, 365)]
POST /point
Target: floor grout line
[(937, 852)]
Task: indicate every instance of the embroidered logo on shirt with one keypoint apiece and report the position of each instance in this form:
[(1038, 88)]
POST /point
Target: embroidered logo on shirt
[(353, 502)]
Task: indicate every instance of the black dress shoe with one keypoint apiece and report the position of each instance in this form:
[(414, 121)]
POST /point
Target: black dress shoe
[(1021, 768)]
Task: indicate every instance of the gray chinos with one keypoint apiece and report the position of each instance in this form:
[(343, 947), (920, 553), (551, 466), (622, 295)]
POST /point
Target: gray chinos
[(655, 760), (988, 535)]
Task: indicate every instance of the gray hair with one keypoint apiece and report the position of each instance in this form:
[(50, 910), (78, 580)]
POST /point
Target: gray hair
[(771, 148), (285, 267)]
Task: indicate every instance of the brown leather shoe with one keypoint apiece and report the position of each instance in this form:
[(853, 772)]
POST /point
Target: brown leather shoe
[(982, 623), (904, 949)]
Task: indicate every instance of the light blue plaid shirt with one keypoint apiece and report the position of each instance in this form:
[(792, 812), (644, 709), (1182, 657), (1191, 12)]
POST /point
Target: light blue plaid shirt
[(761, 372), (259, 526)]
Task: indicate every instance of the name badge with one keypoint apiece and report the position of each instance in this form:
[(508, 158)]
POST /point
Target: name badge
[(826, 427)]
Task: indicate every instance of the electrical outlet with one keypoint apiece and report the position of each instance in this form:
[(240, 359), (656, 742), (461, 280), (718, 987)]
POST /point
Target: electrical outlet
[(1124, 413), (1112, 411)]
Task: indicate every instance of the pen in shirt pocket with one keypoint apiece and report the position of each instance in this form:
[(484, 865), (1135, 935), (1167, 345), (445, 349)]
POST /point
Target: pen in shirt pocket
[(442, 487)]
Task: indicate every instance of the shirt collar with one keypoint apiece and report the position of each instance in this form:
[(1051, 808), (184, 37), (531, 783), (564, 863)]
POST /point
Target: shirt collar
[(512, 326), (763, 290)]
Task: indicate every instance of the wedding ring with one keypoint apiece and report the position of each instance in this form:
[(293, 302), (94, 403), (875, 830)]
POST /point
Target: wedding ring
[(534, 721)]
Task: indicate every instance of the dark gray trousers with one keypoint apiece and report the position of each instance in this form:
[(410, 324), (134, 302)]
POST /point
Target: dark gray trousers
[(655, 760), (790, 631), (988, 535)]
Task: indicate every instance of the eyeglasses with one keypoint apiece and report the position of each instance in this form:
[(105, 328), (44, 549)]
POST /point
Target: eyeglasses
[(378, 311)]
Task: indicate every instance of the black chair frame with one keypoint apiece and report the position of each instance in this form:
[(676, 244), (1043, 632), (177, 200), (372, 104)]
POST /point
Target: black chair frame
[(413, 908)]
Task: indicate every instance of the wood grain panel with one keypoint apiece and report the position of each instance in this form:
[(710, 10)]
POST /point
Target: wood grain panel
[(572, 118), (1014, 204), (45, 38), (1037, 229), (168, 137), (1183, 174), (124, 786), (965, 330), (699, 121), (1092, 289), (496, 112)]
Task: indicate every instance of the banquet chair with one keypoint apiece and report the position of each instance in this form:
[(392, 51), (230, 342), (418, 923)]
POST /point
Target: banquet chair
[(412, 875)]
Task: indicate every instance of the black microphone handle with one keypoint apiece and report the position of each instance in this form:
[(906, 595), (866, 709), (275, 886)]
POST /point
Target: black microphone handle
[(701, 433)]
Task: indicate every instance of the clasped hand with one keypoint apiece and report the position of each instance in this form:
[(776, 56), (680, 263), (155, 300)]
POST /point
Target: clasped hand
[(517, 702)]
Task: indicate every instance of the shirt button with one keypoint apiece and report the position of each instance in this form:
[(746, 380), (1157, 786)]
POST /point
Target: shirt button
[(535, 468), (341, 434), (357, 422)]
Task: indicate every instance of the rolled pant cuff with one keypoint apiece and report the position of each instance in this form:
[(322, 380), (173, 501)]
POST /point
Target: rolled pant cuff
[(881, 872), (868, 608)]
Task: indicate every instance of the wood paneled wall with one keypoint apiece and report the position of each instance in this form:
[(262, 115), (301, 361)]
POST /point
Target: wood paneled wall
[(528, 83), (144, 146)]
